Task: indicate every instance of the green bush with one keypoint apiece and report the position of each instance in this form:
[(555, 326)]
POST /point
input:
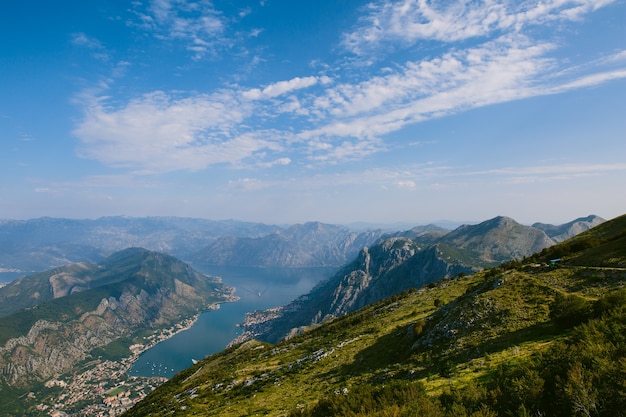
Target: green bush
[(570, 310), (614, 300)]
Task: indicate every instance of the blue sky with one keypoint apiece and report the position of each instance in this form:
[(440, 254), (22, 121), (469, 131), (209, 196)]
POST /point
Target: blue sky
[(284, 111)]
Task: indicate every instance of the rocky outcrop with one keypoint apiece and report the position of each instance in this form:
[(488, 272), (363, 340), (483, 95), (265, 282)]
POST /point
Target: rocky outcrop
[(392, 266), (52, 348)]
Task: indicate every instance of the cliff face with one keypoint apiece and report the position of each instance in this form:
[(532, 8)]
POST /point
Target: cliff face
[(141, 291), (393, 265)]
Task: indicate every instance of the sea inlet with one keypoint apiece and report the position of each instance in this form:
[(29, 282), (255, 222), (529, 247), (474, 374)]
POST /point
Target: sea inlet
[(257, 289)]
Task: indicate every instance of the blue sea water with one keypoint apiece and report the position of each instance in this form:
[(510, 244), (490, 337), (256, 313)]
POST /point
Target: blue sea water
[(258, 288), (11, 276)]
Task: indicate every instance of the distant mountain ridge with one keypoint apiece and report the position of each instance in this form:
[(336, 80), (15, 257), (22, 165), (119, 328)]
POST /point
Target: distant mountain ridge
[(81, 307), (571, 229), (406, 260), (44, 243), (40, 244), (312, 244)]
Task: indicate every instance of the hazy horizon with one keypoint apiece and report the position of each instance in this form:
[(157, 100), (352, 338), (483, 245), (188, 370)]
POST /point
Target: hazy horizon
[(395, 225)]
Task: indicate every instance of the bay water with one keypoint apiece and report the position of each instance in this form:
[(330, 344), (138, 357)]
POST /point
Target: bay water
[(258, 289)]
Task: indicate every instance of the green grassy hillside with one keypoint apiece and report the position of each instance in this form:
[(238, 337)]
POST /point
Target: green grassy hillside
[(526, 338)]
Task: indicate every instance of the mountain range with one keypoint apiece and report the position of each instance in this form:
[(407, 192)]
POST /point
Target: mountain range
[(311, 244), (533, 336), (40, 244)]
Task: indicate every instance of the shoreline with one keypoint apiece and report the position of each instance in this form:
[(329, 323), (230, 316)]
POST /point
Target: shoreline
[(168, 333), (88, 384)]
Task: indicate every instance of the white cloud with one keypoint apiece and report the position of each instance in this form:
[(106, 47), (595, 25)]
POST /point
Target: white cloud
[(406, 184), (428, 176), (407, 21), (279, 161), (536, 174), (283, 87), (246, 184), (160, 133), (617, 57), (346, 150), (590, 80), (80, 39), (502, 70)]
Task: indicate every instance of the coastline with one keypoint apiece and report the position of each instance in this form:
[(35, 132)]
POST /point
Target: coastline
[(107, 386), (173, 330)]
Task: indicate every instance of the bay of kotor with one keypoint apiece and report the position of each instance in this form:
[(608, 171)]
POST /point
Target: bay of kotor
[(257, 289)]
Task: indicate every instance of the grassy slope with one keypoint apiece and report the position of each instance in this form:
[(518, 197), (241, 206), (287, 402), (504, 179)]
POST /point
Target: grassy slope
[(456, 334)]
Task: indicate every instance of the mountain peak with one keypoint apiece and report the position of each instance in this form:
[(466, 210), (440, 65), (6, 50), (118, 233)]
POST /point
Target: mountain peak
[(499, 239), (562, 232), (501, 221)]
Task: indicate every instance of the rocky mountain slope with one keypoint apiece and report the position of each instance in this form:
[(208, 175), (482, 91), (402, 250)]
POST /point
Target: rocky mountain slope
[(392, 266), (525, 338), (68, 313), (498, 239), (406, 260)]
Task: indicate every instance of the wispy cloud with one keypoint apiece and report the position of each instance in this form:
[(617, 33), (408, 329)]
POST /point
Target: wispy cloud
[(419, 177), (545, 173), (80, 39), (407, 21), (197, 23), (284, 87), (98, 50), (589, 80), (413, 177), (161, 131), (505, 69)]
